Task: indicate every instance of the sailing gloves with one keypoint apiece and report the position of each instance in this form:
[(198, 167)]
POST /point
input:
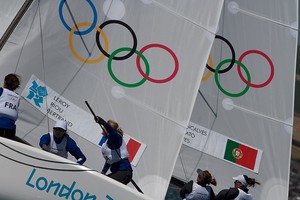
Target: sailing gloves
[(99, 120)]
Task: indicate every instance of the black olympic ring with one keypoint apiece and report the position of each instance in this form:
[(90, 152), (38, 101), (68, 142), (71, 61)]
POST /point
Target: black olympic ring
[(132, 33), (232, 60)]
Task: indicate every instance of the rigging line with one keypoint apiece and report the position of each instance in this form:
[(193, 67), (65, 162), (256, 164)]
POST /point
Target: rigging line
[(41, 159), (48, 168), (23, 45), (182, 164), (15, 22), (179, 15), (265, 18), (259, 114), (74, 21), (215, 114), (43, 60), (202, 153), (21, 52), (39, 123)]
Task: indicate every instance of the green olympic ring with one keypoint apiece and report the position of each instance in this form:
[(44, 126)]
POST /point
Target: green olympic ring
[(121, 82), (219, 85)]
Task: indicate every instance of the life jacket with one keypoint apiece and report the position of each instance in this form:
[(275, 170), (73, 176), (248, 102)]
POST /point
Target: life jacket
[(115, 155), (199, 193), (59, 149), (243, 195), (9, 103)]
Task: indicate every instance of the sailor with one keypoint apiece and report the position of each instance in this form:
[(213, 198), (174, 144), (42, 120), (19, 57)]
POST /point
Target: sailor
[(9, 106), (200, 189), (60, 143), (240, 190), (115, 152)]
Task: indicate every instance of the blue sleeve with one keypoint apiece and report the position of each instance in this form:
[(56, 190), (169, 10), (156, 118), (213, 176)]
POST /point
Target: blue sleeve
[(113, 137), (1, 91), (45, 139), (75, 151), (105, 168)]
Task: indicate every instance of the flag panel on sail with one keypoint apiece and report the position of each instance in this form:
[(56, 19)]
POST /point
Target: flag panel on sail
[(148, 85), (250, 98), (222, 147)]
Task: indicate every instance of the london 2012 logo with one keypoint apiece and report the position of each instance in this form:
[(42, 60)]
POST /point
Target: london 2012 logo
[(37, 93)]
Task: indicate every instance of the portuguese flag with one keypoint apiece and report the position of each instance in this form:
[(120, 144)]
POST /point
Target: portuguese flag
[(240, 154)]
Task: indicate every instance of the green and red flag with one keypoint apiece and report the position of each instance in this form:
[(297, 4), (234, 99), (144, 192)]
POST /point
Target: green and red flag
[(241, 154)]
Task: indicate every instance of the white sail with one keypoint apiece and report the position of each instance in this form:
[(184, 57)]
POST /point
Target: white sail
[(148, 85), (253, 107), (8, 11)]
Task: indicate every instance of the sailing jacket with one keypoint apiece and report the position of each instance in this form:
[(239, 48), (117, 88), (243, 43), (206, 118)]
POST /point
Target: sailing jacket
[(9, 106), (60, 146), (194, 191), (115, 151), (234, 194)]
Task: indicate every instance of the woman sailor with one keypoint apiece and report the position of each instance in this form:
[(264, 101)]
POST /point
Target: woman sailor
[(60, 143), (115, 152), (240, 190), (200, 189), (9, 106)]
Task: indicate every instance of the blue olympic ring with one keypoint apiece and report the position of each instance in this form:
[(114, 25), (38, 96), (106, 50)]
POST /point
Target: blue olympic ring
[(69, 28)]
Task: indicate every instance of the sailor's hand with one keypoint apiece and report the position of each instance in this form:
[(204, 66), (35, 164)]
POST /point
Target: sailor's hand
[(45, 147), (99, 120), (80, 161)]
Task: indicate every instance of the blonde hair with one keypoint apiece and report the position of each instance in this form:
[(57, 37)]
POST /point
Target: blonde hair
[(115, 126)]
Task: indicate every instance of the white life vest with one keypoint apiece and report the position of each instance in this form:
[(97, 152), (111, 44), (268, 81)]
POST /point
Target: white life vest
[(199, 193), (9, 103), (58, 149), (113, 156), (243, 195)]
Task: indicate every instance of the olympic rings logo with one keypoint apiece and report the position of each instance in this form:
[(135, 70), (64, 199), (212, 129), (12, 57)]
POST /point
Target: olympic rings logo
[(239, 63), (113, 56)]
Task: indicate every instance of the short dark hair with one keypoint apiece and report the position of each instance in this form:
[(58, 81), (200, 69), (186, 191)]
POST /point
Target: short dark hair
[(12, 81)]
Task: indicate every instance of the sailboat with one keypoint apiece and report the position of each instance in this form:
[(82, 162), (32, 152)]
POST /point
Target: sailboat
[(242, 121), (138, 62)]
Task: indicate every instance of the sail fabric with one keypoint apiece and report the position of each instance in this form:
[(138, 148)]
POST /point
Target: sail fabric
[(247, 96), (137, 62), (8, 11)]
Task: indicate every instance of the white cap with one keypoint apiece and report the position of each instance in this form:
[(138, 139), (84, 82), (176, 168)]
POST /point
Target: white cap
[(61, 124), (241, 179)]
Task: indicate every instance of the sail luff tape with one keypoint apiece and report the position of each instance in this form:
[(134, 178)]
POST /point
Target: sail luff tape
[(261, 17), (261, 115)]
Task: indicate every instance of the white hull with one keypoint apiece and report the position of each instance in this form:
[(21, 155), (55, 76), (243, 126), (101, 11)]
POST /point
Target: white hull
[(31, 173)]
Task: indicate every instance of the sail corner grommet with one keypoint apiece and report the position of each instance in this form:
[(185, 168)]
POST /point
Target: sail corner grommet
[(233, 7), (227, 104)]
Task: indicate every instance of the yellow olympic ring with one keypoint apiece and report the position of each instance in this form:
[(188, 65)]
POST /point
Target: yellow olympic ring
[(204, 78), (73, 49)]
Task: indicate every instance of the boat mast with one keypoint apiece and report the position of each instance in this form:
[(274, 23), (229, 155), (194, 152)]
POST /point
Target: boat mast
[(14, 23)]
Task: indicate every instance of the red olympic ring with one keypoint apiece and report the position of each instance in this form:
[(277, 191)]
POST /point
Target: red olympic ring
[(271, 67), (156, 80)]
